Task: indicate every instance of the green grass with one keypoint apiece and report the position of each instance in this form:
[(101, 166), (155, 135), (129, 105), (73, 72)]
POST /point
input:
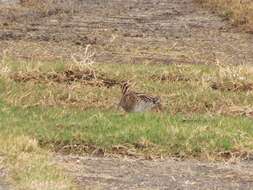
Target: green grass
[(170, 135), (196, 121)]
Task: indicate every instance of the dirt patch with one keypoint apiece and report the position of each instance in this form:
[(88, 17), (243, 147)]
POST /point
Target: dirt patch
[(3, 175), (131, 32), (125, 173), (31, 10), (232, 86), (87, 77)]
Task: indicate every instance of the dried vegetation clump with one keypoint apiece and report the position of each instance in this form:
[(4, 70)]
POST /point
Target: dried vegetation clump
[(170, 77), (233, 78), (232, 86), (239, 11), (86, 77)]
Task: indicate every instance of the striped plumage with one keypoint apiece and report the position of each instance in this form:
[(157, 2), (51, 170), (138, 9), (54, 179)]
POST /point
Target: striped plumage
[(137, 102)]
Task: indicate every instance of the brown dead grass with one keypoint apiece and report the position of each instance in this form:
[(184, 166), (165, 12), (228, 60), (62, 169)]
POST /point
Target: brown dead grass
[(87, 77), (170, 77), (240, 12), (232, 86)]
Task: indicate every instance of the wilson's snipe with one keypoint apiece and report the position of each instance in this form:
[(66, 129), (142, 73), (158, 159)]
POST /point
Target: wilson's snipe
[(137, 102)]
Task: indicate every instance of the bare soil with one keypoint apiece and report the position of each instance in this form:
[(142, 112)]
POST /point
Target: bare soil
[(125, 173), (157, 31), (3, 174), (130, 31)]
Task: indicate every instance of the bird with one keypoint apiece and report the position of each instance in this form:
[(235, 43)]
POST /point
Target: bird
[(132, 101)]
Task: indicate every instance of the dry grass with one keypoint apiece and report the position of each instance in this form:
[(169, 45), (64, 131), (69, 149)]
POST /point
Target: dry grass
[(186, 89), (29, 167), (239, 11)]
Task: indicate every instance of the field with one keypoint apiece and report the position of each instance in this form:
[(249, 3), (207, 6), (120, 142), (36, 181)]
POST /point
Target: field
[(60, 74)]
